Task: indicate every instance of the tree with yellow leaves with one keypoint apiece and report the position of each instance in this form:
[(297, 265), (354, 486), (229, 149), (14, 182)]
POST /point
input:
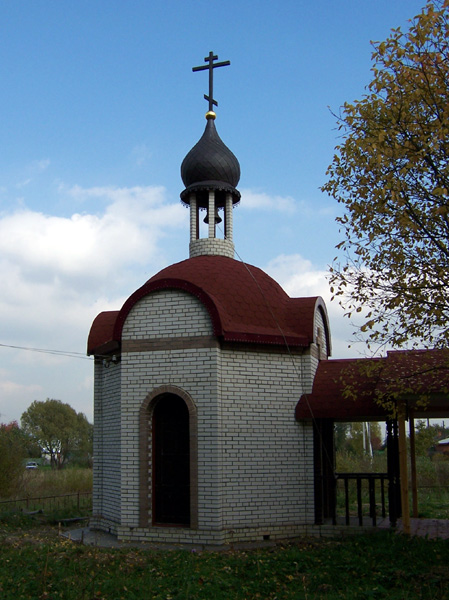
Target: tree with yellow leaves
[(391, 174)]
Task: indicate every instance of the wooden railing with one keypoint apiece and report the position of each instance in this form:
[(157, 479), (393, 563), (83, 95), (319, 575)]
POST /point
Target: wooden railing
[(372, 495)]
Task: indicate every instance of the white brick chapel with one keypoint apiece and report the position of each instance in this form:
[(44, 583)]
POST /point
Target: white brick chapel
[(197, 378)]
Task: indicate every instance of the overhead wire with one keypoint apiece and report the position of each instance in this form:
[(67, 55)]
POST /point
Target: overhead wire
[(49, 351)]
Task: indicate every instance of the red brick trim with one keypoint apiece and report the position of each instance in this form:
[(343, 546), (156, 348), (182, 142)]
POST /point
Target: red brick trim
[(174, 343)]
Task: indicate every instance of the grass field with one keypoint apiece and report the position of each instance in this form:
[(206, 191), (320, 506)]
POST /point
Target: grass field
[(36, 564), (57, 494), (45, 481)]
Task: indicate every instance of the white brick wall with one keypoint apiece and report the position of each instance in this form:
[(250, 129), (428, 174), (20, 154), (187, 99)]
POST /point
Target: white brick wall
[(211, 247), (266, 475), (165, 314), (106, 486)]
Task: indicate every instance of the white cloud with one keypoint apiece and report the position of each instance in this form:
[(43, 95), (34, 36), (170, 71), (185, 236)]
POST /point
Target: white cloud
[(297, 276), (58, 273), (89, 246), (41, 165), (29, 377), (14, 397), (141, 154), (32, 170), (300, 278), (23, 183), (262, 201)]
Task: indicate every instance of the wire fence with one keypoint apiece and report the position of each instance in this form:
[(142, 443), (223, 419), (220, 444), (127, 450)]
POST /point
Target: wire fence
[(81, 501)]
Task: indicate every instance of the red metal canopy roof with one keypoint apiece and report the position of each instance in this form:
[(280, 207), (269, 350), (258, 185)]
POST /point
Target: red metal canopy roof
[(349, 390)]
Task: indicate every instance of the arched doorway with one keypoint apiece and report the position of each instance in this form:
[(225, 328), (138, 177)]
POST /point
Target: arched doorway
[(171, 461)]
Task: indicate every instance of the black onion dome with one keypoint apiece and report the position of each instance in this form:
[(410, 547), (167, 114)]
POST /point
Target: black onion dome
[(210, 165)]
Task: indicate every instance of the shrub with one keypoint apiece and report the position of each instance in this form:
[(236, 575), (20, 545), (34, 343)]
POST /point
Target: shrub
[(12, 454)]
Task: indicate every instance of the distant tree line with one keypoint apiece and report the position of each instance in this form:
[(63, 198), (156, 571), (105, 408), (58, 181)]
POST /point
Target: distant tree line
[(358, 438), (50, 430), (352, 439)]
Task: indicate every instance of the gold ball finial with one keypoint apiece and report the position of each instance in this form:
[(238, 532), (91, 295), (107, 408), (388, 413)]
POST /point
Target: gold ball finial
[(210, 115)]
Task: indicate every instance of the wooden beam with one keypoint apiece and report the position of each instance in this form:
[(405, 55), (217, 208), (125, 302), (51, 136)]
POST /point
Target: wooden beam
[(413, 466), (405, 508)]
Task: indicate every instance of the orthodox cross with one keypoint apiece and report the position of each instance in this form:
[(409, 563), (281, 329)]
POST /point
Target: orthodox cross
[(211, 66)]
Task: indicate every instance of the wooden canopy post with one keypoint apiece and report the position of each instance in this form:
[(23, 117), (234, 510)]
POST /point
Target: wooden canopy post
[(405, 508), (394, 486), (324, 471), (413, 466)]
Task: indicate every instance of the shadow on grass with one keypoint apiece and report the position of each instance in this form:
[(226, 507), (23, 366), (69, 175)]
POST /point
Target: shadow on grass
[(379, 565)]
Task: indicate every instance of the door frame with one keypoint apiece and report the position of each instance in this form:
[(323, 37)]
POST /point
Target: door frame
[(146, 454)]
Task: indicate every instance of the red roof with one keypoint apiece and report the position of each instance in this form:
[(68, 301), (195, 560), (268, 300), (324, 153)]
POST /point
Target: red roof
[(244, 303), (349, 390)]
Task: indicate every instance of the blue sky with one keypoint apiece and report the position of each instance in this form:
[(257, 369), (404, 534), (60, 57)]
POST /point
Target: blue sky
[(99, 106)]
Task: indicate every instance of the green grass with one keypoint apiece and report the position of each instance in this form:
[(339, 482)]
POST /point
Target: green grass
[(36, 564), (382, 565), (433, 503), (48, 482)]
